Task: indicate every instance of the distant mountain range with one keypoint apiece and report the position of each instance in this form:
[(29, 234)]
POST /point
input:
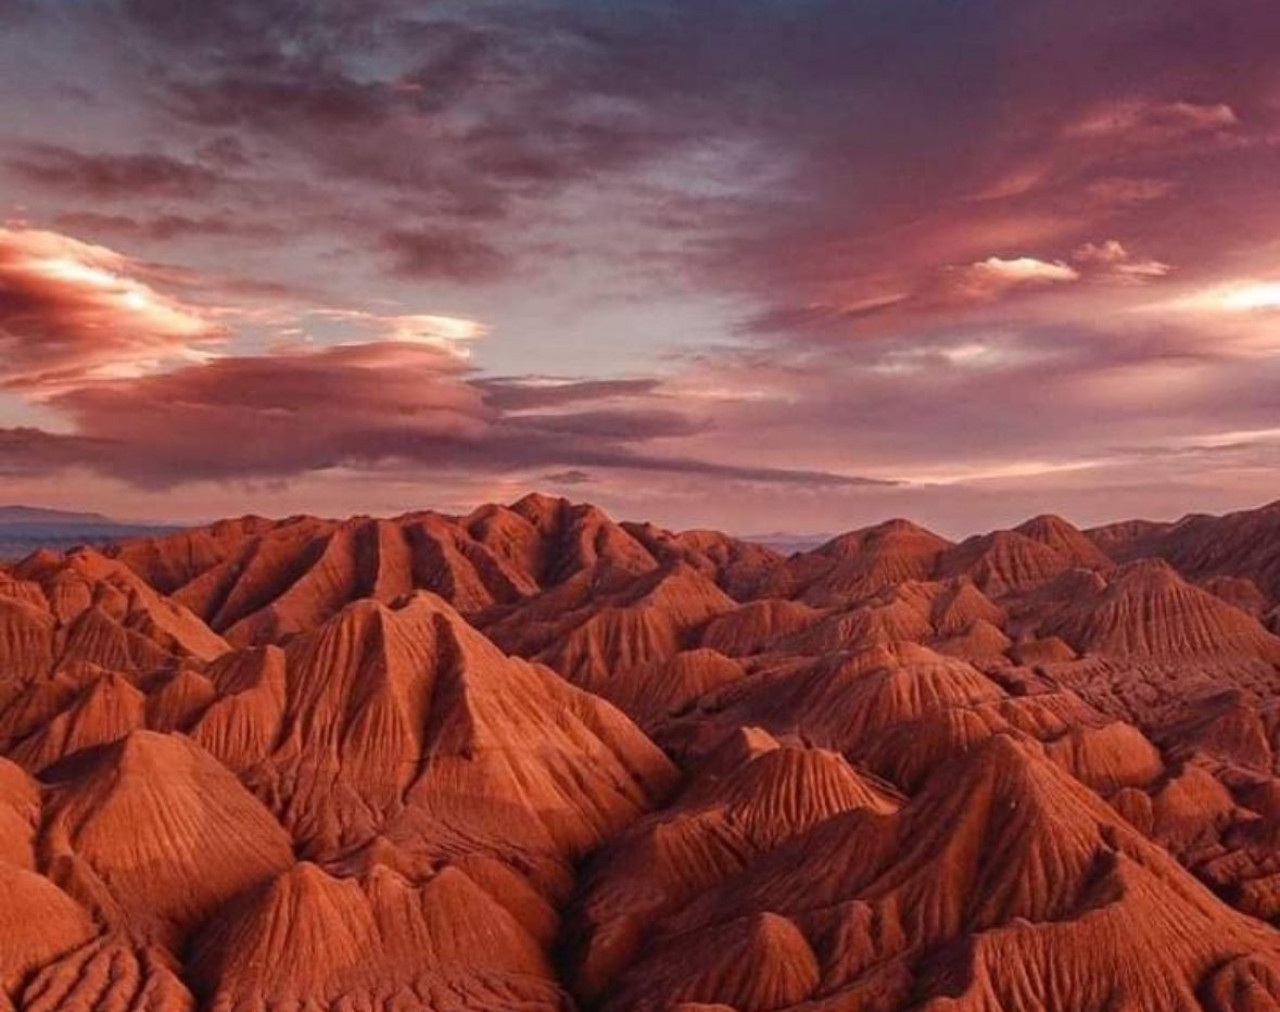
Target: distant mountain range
[(788, 543), (23, 529)]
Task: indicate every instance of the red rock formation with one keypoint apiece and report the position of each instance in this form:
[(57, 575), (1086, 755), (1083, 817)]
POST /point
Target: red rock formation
[(1043, 895), (1068, 541), (382, 764), (1242, 545), (613, 629), (263, 581), (1147, 610), (757, 627), (38, 923), (858, 565), (714, 830), (154, 836), (109, 973), (407, 723), (310, 940)]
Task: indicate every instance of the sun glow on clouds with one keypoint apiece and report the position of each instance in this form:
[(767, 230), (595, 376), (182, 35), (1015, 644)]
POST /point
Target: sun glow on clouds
[(1023, 269), (1244, 308), (448, 333), (79, 320), (1250, 297), (1111, 258), (99, 275), (1031, 469), (993, 277), (74, 312), (1232, 438), (995, 472)]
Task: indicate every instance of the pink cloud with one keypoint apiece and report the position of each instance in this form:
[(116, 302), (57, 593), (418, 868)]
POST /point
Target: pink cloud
[(72, 313), (1112, 259), (1140, 121), (450, 333), (994, 276), (1123, 191), (373, 408)]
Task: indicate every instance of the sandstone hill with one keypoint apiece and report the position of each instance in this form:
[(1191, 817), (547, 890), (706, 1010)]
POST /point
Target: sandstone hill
[(532, 758)]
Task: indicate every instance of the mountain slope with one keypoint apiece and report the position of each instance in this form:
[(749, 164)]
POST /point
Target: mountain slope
[(533, 758)]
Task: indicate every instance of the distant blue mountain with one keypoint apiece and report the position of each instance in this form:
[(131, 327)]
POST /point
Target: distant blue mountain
[(788, 543), (24, 529)]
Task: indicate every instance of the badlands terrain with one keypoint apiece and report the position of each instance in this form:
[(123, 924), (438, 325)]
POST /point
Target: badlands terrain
[(532, 758)]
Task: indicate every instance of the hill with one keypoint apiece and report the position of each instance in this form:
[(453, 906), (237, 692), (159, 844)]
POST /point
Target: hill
[(535, 758)]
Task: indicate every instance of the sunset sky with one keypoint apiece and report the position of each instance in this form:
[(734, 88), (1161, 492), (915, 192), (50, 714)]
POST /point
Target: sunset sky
[(762, 266)]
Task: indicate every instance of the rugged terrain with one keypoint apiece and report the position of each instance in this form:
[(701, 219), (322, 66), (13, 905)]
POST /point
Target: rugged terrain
[(531, 758)]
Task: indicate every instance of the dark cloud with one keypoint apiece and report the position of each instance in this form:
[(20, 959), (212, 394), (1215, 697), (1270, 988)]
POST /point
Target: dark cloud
[(524, 393), (26, 451), (235, 28), (624, 424), (108, 176), (879, 125), (466, 112), (361, 406), (875, 143), (166, 226), (574, 476), (14, 12), (455, 254)]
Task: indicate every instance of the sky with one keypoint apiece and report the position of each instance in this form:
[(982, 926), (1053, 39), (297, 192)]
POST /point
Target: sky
[(796, 265)]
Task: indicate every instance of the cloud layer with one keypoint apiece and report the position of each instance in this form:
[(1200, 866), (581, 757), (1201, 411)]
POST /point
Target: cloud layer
[(649, 247), (123, 364)]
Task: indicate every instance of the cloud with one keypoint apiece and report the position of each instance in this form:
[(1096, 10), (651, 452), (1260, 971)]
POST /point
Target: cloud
[(993, 277), (453, 254), (109, 176), (165, 227), (26, 451), (71, 312), (282, 414), (820, 316), (800, 186), (536, 392), (129, 372), (464, 115), (1110, 258), (572, 477), (453, 334), (1241, 297), (455, 131), (1140, 121), (364, 407), (1119, 191), (1248, 297)]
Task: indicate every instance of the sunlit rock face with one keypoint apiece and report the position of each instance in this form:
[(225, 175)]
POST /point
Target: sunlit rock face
[(533, 758)]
